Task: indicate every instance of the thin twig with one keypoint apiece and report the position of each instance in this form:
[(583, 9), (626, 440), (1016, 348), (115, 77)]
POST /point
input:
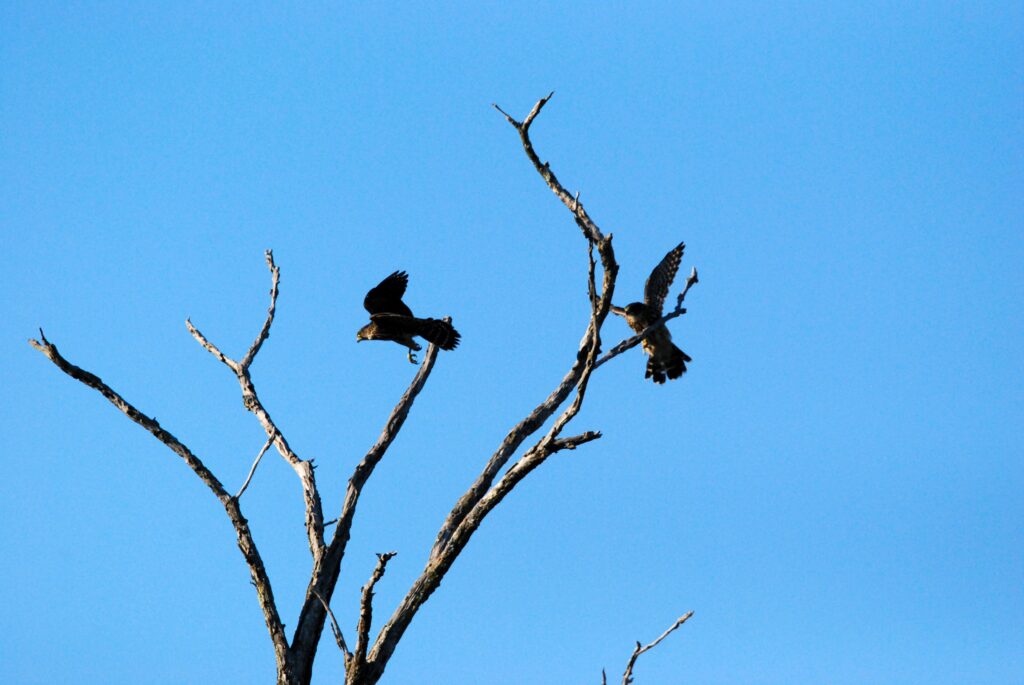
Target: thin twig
[(336, 629), (210, 347), (691, 280), (266, 446), (627, 677), (275, 279)]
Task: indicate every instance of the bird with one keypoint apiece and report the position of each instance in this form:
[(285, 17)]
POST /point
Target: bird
[(391, 319), (664, 358)]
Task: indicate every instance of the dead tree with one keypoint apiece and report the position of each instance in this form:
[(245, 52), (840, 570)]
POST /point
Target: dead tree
[(366, 660)]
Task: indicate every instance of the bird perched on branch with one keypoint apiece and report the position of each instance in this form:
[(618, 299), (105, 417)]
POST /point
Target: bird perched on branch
[(664, 358), (391, 319)]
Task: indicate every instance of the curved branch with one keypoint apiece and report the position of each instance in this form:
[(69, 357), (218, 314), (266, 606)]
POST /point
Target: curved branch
[(525, 428), (275, 279), (246, 544), (481, 498)]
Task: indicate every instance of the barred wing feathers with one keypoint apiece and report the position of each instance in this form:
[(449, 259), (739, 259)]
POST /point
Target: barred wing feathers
[(661, 278)]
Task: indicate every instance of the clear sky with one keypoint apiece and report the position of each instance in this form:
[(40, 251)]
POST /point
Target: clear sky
[(834, 488)]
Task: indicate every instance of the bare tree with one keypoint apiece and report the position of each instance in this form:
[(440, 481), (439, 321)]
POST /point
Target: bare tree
[(366, 661)]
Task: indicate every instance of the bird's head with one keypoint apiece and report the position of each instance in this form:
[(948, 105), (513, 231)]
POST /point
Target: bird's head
[(634, 309), (629, 310), (363, 333)]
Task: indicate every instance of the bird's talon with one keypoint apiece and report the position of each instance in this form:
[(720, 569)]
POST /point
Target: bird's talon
[(412, 358)]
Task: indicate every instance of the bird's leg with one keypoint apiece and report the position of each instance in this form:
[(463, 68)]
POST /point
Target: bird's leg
[(412, 357)]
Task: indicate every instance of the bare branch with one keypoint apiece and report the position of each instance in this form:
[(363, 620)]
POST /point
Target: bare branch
[(437, 566), (691, 280), (263, 450), (366, 615), (583, 220), (246, 543), (275, 279), (627, 677), (575, 441), (515, 437), (525, 126), (598, 316), (210, 347), (336, 629), (632, 342), (591, 279), (311, 618), (302, 468)]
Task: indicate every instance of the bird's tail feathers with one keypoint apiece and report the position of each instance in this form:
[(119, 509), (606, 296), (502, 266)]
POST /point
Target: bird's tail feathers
[(658, 369), (440, 333)]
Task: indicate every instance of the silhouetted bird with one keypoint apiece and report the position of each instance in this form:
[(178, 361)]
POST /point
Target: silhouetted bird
[(391, 319), (665, 359)]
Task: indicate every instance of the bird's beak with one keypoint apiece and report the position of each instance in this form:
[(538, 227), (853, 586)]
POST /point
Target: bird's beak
[(618, 310)]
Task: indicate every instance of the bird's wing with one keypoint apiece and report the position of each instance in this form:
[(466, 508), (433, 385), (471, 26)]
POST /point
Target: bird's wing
[(387, 295), (436, 331), (661, 278)]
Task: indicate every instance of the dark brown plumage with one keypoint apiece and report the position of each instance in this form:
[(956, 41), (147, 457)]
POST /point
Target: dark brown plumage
[(664, 358), (391, 319)]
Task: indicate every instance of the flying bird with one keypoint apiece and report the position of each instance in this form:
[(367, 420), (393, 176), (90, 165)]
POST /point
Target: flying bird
[(391, 319), (664, 358)]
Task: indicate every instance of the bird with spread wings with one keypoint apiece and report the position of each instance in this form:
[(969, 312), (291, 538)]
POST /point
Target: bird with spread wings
[(391, 319), (664, 358)]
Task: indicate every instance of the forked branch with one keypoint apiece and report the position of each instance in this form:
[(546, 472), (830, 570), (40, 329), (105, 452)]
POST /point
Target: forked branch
[(325, 575), (251, 400), (535, 419), (483, 495), (583, 220)]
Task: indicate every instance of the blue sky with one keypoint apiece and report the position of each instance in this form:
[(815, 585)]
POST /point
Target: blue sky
[(834, 488)]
